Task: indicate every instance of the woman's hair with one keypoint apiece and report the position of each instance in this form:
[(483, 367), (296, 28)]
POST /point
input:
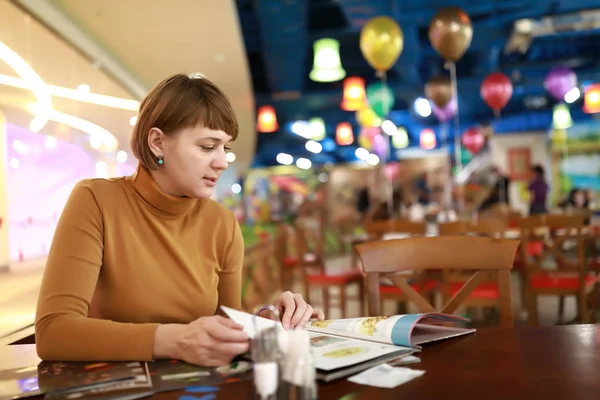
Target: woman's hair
[(180, 102)]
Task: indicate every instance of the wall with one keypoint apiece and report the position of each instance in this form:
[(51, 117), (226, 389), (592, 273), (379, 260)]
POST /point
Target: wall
[(38, 185), (537, 144)]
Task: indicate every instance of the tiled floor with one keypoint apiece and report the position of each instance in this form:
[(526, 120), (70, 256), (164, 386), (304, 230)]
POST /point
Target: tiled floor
[(20, 285)]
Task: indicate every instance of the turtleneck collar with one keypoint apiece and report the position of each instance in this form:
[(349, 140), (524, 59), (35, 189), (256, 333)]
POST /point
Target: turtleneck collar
[(146, 187)]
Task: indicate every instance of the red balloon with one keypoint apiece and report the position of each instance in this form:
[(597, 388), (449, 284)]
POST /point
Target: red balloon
[(496, 90), (473, 140)]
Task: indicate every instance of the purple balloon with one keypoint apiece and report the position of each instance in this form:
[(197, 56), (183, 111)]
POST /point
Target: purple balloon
[(559, 81), (445, 114), (380, 145)]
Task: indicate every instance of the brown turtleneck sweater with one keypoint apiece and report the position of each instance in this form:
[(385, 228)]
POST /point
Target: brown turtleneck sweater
[(127, 257)]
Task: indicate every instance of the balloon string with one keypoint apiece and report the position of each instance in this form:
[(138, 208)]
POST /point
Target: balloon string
[(457, 146), (388, 183), (454, 87)]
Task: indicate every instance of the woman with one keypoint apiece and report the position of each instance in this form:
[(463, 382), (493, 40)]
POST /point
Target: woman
[(139, 265), (539, 192)]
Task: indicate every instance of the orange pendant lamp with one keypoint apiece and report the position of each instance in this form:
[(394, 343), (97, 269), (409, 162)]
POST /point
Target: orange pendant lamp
[(355, 97), (267, 120), (591, 100), (343, 134), (427, 139)]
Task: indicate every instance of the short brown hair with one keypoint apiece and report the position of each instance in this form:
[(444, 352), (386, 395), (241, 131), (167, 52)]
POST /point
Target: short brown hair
[(180, 102)]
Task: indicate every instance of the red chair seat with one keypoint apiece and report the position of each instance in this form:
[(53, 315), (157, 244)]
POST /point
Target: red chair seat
[(487, 290), (535, 248), (560, 280), (292, 262), (334, 279), (395, 290)]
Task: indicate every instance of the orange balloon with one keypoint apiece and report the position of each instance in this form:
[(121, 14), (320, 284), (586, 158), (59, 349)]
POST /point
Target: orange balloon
[(451, 32), (439, 91)]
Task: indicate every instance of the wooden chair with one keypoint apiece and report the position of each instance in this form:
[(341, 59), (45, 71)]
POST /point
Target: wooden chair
[(488, 257), (571, 278), (307, 235), (377, 230), (486, 295)]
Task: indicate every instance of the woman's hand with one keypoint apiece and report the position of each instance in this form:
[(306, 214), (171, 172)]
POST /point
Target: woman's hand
[(294, 311), (207, 341)]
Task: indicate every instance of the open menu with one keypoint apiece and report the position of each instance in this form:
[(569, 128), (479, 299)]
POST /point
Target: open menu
[(334, 356), (408, 330)]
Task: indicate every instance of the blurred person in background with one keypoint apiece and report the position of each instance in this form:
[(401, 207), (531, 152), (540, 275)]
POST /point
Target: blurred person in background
[(538, 189), (140, 265), (498, 194), (422, 189)]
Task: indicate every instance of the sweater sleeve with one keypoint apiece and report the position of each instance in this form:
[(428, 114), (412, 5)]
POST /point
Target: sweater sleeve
[(230, 277), (63, 329)]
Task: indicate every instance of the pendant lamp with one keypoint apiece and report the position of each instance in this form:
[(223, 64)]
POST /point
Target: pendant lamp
[(316, 127), (327, 66), (355, 97), (267, 119), (561, 117), (343, 134), (591, 100), (400, 138), (427, 139)]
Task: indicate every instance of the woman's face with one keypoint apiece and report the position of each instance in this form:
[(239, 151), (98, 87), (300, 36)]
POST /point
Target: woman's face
[(194, 159)]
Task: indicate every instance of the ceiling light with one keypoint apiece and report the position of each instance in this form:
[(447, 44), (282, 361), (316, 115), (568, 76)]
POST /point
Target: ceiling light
[(389, 127), (50, 142), (572, 95), (133, 120), (284, 158), (230, 157), (101, 170), (19, 146), (101, 135), (373, 159), (314, 147), (361, 153), (83, 88), (423, 107), (121, 156), (37, 124), (236, 188), (31, 80), (73, 94), (303, 163)]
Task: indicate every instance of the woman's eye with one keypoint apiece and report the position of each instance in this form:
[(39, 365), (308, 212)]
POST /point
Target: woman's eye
[(227, 149), (207, 148)]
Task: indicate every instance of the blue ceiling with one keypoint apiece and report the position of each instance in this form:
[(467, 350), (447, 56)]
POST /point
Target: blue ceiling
[(279, 35)]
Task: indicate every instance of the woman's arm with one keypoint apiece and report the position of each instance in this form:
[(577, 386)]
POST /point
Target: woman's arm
[(230, 278), (63, 330)]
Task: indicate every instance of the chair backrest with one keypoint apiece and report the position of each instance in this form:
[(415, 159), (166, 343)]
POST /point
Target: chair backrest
[(489, 257), (454, 228), (376, 229), (492, 227), (309, 226), (553, 231)]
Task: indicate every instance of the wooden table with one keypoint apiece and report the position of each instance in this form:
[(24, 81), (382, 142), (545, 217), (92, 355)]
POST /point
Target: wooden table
[(559, 362)]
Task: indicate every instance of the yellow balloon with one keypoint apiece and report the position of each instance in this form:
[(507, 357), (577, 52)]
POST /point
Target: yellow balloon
[(367, 118), (364, 142), (381, 42)]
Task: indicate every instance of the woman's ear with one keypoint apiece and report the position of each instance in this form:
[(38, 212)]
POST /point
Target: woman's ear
[(156, 139)]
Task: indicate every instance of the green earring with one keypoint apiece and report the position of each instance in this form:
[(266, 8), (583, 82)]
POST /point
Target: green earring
[(160, 160)]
